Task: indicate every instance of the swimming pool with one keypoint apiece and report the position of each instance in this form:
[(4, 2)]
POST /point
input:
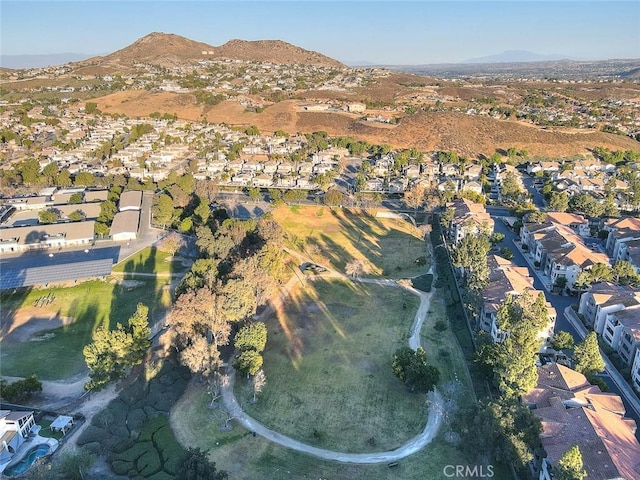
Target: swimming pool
[(24, 464)]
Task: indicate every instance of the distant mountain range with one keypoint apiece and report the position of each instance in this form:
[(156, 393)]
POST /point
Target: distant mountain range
[(36, 61), (513, 56)]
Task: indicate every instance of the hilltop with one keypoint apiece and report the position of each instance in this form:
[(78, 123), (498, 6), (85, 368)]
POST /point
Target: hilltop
[(167, 49), (274, 51)]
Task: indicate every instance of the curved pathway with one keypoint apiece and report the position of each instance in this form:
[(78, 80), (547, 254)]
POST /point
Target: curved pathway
[(434, 420)]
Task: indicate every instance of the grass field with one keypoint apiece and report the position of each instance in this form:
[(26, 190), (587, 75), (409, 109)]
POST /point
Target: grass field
[(57, 354), (246, 457), (149, 260), (390, 247), (334, 342)]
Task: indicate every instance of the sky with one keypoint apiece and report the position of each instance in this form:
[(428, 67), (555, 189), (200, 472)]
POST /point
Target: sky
[(381, 32)]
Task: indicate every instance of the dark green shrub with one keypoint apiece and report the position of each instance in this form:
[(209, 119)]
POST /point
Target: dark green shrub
[(93, 434), (135, 419), (162, 475), (121, 467), (149, 463), (440, 326), (122, 446)]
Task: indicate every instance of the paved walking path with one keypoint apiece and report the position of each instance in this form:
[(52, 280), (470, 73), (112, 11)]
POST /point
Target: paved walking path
[(436, 404)]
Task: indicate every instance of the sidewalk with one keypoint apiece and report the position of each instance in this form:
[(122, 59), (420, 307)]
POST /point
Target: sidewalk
[(610, 369)]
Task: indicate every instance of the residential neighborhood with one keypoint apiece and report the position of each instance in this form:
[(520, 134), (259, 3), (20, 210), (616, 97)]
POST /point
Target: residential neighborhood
[(256, 261)]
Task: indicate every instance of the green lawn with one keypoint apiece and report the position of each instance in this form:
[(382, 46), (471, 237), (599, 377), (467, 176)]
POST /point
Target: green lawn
[(45, 431), (246, 457), (57, 354), (150, 260), (335, 341), (443, 349), (389, 247)]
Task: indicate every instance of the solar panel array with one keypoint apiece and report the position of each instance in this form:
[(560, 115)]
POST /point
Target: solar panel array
[(16, 277)]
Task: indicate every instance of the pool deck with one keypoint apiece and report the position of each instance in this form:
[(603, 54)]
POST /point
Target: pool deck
[(33, 440)]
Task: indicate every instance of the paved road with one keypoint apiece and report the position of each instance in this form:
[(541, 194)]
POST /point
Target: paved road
[(434, 420)]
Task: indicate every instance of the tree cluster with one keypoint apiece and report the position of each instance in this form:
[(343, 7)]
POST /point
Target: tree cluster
[(622, 273), (512, 362), (20, 390), (113, 351), (241, 263), (250, 341), (411, 368), (504, 429)]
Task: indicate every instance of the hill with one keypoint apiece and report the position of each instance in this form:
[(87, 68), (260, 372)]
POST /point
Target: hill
[(167, 49), (273, 51), (469, 135), (157, 48)]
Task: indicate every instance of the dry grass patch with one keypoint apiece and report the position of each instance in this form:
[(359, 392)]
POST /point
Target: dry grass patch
[(336, 237)]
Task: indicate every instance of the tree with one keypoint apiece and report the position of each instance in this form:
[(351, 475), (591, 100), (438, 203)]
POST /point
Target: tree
[(217, 381), (196, 466), (624, 273), (562, 341), (470, 254), (510, 189), (412, 369), (75, 198), (20, 390), (522, 317), (172, 243), (108, 210), (162, 209), (251, 337), (503, 429), (75, 466), (202, 211), (415, 196), (586, 204), (586, 356), (333, 198), (84, 179), (48, 216), (254, 194), (259, 382), (537, 216), (76, 216), (198, 315), (248, 362), (138, 328), (570, 466), (355, 268), (111, 352), (101, 229), (505, 252)]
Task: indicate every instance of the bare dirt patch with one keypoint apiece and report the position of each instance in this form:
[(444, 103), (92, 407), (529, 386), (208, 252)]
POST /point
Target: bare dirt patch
[(26, 322)]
